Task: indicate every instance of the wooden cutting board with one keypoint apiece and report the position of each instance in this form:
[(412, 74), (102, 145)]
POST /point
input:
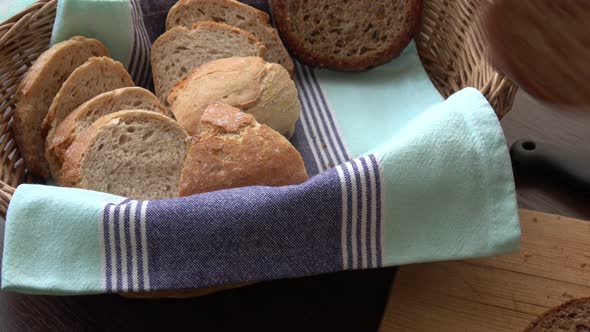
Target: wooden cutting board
[(496, 294)]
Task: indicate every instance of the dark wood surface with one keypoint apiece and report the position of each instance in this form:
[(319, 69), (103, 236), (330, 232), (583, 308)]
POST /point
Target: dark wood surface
[(351, 301)]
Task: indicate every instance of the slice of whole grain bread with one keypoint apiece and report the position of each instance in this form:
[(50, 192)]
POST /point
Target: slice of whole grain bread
[(129, 98), (180, 50), (346, 35), (187, 12), (133, 153), (37, 90), (571, 316)]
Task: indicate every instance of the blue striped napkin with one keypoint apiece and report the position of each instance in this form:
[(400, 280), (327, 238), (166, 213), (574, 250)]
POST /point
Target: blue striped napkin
[(399, 176)]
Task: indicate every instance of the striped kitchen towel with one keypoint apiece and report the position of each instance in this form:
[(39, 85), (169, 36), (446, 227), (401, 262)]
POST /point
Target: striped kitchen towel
[(400, 176)]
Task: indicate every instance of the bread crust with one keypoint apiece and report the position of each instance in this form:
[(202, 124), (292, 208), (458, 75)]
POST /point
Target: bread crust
[(67, 131), (93, 64), (556, 311), (314, 58), (27, 125), (263, 89), (233, 150)]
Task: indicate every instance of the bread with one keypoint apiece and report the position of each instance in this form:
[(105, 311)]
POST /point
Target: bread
[(572, 316), (264, 90), (186, 12), (233, 150), (36, 91), (134, 153), (349, 36), (83, 116), (95, 76), (180, 50)]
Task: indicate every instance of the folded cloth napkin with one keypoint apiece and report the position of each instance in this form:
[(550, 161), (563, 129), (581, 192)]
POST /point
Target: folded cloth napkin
[(430, 180)]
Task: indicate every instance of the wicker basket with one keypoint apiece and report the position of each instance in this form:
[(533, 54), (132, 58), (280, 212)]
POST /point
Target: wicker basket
[(449, 44)]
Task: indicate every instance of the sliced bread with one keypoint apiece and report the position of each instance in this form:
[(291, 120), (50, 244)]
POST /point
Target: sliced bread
[(134, 153), (180, 50), (262, 89), (187, 12), (346, 35), (233, 150), (572, 316), (36, 92), (95, 76), (129, 98)]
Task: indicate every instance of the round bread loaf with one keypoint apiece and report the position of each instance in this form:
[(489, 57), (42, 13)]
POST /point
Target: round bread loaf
[(572, 316), (233, 150), (136, 154), (346, 35), (262, 89)]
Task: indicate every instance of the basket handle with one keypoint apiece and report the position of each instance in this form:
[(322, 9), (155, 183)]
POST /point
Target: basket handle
[(6, 193)]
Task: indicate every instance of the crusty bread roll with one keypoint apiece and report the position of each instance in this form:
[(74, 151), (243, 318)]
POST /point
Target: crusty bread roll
[(180, 50), (95, 76), (129, 98), (233, 150), (262, 89), (133, 153), (187, 12), (36, 92)]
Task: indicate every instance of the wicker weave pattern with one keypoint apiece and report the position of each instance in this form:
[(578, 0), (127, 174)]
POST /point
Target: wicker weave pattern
[(449, 44), (22, 39)]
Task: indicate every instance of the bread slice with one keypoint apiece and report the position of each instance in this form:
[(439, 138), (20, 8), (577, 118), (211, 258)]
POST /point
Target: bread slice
[(134, 153), (95, 76), (234, 150), (81, 118), (36, 92), (573, 316), (349, 36), (180, 50), (262, 89), (187, 12)]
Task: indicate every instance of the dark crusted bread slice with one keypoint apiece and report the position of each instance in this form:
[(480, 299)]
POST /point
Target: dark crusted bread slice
[(95, 76), (346, 35), (572, 316), (130, 98), (187, 12), (136, 154), (233, 150), (36, 92), (180, 50)]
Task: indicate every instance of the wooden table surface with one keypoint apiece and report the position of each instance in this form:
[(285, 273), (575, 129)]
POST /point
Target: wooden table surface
[(496, 294), (351, 301)]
